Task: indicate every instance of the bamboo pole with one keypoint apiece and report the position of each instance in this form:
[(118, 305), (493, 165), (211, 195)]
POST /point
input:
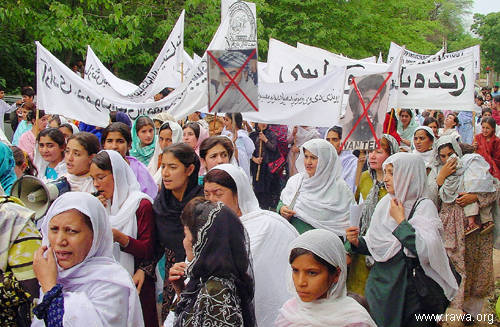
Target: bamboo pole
[(260, 156)]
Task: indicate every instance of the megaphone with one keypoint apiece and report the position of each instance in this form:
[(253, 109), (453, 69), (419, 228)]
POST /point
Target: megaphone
[(36, 195)]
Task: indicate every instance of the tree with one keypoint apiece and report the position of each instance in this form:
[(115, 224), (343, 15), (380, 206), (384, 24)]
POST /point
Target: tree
[(488, 28), (128, 34)]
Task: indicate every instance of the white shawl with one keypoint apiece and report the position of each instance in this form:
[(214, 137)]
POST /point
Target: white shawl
[(97, 291), (409, 180), (127, 196), (337, 309), (153, 164), (270, 238), (324, 199)]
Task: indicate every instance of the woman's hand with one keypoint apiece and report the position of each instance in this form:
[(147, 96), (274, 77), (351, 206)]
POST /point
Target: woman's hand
[(466, 198), (138, 279), (286, 212), (120, 238), (406, 142), (262, 137), (448, 168), (397, 211), (352, 235), (362, 158), (45, 268), (475, 145), (295, 149), (176, 276), (103, 200), (258, 160)]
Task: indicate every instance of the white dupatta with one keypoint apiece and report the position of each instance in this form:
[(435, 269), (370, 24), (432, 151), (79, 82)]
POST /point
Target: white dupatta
[(127, 196), (324, 199), (409, 180), (270, 238), (337, 309), (98, 291)]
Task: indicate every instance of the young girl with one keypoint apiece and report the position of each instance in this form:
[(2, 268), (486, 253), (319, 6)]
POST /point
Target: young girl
[(169, 133), (131, 217), (143, 139), (117, 137), (193, 135), (24, 165), (406, 126), (179, 169), (80, 150), (319, 274), (487, 144), (50, 155), (27, 141)]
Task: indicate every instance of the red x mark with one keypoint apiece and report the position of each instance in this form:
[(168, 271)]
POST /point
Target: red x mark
[(232, 80), (365, 110)]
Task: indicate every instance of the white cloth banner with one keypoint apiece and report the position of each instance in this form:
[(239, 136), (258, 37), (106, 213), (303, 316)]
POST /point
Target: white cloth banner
[(314, 102), (443, 85), (410, 57), (165, 72), (286, 63), (62, 92), (193, 94)]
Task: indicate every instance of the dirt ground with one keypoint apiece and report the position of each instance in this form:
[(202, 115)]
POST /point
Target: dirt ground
[(489, 307)]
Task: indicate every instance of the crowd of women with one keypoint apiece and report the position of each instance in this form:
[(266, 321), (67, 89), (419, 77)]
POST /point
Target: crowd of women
[(215, 221)]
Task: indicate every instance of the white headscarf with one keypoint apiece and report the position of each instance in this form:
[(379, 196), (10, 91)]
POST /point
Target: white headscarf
[(337, 309), (270, 238), (427, 156), (176, 138), (97, 291), (409, 180), (324, 199), (127, 196)]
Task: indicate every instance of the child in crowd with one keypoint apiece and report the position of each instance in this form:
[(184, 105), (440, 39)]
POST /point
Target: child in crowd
[(143, 139)]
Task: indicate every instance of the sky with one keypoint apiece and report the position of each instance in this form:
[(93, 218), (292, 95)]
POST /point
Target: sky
[(486, 6)]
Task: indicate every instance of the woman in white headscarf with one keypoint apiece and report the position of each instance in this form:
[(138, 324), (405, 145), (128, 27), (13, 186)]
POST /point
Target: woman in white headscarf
[(82, 284), (297, 136), (270, 237), (325, 303), (131, 217), (462, 188), (318, 196), (398, 243), (169, 133), (423, 144)]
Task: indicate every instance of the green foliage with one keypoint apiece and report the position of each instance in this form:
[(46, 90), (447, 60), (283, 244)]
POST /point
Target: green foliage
[(127, 35), (488, 28)]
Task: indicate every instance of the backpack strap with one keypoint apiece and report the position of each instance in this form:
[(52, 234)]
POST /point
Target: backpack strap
[(415, 207)]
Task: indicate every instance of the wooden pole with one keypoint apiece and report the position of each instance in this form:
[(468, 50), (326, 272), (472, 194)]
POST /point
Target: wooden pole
[(390, 121), (35, 128), (474, 123), (260, 156)]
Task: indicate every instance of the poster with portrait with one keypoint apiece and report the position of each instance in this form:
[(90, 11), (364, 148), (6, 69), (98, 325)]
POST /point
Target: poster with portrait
[(364, 117), (232, 76)]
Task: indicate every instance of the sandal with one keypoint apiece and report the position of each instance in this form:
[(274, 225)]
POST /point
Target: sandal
[(471, 229), (487, 227)]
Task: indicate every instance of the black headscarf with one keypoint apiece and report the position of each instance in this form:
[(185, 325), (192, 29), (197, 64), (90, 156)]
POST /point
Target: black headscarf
[(222, 249), (167, 211)]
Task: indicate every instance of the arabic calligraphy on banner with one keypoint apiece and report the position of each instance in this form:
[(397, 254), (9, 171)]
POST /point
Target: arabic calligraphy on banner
[(165, 71), (60, 91), (443, 85), (311, 102)]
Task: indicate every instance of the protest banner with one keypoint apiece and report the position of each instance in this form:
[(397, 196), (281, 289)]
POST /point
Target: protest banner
[(310, 102), (232, 76), (410, 57), (442, 85), (62, 92), (166, 71), (366, 110)]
